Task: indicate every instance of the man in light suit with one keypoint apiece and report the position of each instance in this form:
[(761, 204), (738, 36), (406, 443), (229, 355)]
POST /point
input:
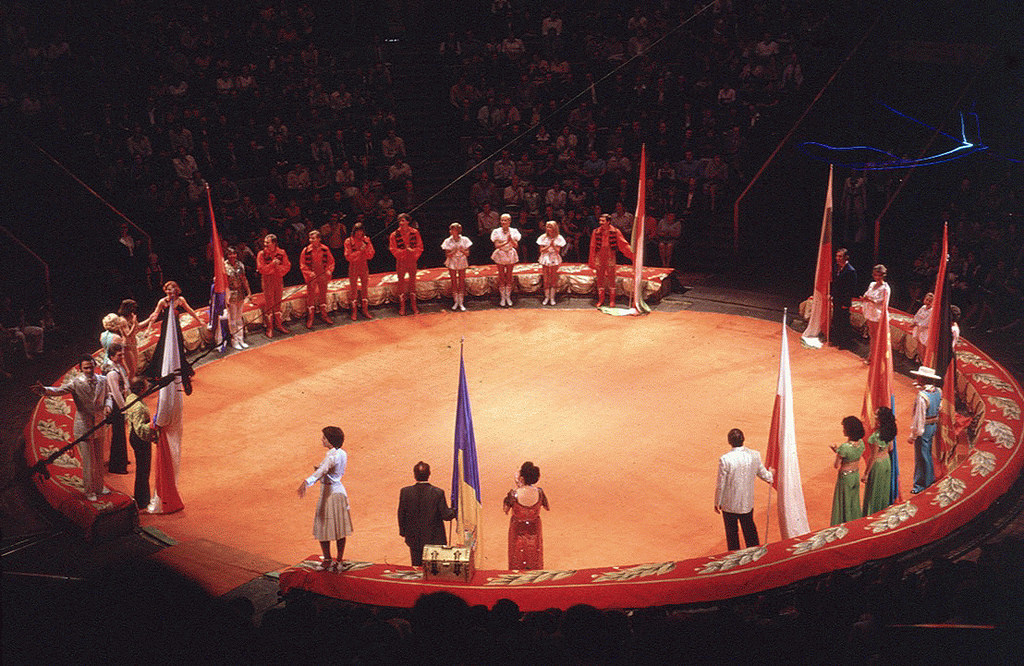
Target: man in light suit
[(92, 404), (734, 493), (421, 510)]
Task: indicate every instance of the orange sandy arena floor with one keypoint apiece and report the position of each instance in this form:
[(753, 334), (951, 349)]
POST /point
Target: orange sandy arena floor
[(625, 416)]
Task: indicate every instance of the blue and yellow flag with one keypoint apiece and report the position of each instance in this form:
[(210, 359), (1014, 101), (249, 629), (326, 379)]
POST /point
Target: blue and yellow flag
[(465, 472)]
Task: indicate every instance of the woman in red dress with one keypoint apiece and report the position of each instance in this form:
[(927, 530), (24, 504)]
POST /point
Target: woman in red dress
[(525, 538)]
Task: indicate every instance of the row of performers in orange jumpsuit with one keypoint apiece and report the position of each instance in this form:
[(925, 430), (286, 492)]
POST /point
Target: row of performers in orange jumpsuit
[(405, 243)]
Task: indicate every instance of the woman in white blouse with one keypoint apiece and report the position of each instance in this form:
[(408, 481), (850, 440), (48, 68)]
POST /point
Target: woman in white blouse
[(551, 244), (876, 298), (332, 520)]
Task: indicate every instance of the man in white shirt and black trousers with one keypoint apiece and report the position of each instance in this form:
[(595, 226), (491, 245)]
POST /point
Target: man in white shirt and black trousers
[(734, 494)]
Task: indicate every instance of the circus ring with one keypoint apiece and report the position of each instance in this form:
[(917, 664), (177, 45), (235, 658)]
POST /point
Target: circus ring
[(988, 469)]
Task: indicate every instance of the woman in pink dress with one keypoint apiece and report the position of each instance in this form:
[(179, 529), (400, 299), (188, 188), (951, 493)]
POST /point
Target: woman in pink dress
[(525, 538)]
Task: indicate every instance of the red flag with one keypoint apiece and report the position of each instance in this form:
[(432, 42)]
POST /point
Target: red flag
[(879, 389), (819, 320), (932, 358), (939, 355), (639, 236), (781, 455), (168, 417), (219, 291), (220, 276)]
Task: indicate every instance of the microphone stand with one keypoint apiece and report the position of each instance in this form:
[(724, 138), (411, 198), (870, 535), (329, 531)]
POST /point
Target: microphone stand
[(41, 466)]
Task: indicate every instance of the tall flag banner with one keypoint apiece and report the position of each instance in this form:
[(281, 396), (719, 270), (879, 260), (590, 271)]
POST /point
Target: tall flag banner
[(465, 472), (940, 353), (819, 320), (638, 238), (219, 290), (167, 418), (781, 455), (939, 320), (879, 389)]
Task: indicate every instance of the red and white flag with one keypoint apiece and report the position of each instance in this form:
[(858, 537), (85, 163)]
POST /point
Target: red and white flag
[(781, 455), (818, 322), (169, 408), (639, 236)]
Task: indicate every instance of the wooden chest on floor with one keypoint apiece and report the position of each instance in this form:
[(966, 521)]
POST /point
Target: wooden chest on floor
[(447, 563)]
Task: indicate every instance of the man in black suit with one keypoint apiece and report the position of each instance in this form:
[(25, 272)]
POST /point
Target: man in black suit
[(421, 510), (844, 289)]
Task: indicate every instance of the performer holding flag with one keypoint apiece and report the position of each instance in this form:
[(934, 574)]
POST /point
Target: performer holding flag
[(603, 243), (169, 360), (878, 392)]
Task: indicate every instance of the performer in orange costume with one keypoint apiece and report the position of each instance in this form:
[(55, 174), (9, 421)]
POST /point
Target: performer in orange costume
[(406, 245), (358, 251), (272, 264), (317, 264), (603, 242)]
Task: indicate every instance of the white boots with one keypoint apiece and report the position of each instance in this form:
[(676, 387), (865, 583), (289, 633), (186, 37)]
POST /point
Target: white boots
[(506, 296)]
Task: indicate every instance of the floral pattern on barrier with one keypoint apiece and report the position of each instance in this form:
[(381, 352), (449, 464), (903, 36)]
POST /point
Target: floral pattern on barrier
[(732, 560), (530, 577), (982, 463), (893, 517), (820, 539), (951, 489), (1002, 434), (640, 571), (1010, 408)]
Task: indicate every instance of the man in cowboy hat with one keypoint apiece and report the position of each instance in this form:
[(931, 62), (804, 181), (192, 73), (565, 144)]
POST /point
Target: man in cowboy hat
[(922, 428)]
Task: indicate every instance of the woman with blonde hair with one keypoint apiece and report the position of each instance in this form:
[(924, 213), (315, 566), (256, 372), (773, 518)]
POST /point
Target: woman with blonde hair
[(506, 241), (551, 245)]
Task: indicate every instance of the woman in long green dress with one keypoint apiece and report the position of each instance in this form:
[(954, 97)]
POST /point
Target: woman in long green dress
[(878, 481), (846, 499)]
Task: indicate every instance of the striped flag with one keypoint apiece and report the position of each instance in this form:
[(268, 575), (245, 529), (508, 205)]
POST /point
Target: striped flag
[(465, 472), (168, 418), (781, 455), (638, 238), (879, 388), (819, 320), (219, 289)]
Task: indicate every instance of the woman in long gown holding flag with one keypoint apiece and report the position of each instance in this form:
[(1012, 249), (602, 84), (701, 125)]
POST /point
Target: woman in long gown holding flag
[(169, 362), (175, 301), (525, 537), (878, 479)]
